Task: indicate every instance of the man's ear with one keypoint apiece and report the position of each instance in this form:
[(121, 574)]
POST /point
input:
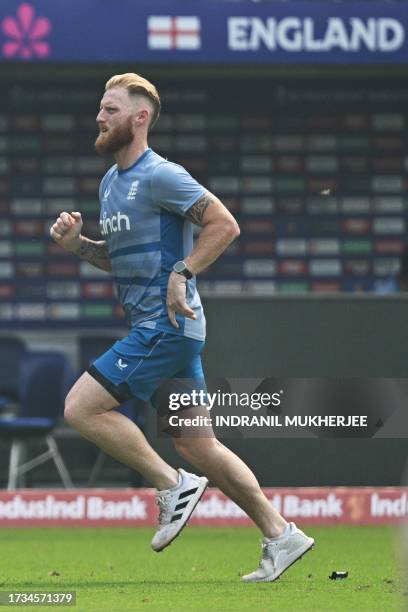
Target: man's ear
[(142, 116)]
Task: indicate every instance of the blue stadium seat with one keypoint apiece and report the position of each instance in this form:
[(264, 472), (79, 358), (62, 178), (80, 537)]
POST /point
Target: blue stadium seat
[(12, 350), (41, 391)]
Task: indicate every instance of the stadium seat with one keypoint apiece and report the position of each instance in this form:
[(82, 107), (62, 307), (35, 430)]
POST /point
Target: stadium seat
[(12, 350), (41, 390)]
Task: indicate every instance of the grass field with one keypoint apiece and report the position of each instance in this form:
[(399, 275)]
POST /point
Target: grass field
[(114, 570)]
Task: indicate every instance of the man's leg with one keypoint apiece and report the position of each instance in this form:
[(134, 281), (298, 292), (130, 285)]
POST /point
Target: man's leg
[(88, 408), (283, 543), (234, 478)]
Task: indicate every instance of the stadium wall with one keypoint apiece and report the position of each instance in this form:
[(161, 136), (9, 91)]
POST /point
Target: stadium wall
[(310, 336), (283, 338)]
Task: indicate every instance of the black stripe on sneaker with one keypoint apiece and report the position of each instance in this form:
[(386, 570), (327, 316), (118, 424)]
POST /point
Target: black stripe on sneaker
[(176, 517), (181, 506), (187, 493)]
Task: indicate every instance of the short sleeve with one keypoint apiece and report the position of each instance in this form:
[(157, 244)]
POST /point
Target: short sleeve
[(174, 189)]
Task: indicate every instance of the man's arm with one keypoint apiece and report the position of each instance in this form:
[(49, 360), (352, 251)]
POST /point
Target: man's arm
[(66, 231), (219, 230), (94, 252)]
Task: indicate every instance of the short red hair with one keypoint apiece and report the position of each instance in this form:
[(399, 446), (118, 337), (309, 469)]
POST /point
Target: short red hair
[(138, 85)]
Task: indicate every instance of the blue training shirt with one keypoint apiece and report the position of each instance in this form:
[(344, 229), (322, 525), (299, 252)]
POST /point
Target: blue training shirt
[(143, 222)]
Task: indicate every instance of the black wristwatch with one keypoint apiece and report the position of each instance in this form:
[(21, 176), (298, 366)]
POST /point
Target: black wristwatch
[(180, 267)]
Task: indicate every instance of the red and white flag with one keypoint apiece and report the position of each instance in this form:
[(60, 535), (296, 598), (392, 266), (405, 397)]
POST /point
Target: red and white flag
[(167, 32)]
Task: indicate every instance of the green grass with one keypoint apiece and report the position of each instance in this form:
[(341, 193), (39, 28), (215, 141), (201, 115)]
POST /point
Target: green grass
[(114, 570)]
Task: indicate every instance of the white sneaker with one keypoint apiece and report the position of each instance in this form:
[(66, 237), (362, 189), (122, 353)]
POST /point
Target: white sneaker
[(279, 554), (176, 505)]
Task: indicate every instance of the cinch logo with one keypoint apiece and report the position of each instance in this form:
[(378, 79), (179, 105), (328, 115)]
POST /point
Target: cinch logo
[(114, 224), (173, 33), (293, 34)]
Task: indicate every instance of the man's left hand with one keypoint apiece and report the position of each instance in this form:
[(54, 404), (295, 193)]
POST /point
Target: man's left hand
[(176, 299)]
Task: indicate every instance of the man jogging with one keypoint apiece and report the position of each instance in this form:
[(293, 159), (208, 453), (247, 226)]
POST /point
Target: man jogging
[(148, 206)]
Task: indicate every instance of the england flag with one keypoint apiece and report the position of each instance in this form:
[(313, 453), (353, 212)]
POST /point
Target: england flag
[(175, 33)]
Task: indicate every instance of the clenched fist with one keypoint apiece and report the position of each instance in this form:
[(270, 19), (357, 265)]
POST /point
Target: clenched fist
[(67, 229)]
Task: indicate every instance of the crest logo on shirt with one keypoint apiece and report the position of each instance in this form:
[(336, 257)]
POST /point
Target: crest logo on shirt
[(133, 190)]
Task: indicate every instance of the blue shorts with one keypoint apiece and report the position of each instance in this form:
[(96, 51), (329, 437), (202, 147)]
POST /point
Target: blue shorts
[(139, 364)]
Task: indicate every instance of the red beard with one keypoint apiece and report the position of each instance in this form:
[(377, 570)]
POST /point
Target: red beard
[(115, 139)]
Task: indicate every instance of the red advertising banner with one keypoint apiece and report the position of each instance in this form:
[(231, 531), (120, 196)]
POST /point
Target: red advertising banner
[(121, 507)]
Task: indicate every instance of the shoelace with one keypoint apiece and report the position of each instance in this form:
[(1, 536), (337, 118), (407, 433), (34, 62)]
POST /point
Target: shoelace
[(268, 552), (162, 502)]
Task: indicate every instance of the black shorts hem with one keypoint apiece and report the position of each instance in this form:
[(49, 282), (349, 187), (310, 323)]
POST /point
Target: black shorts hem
[(121, 393)]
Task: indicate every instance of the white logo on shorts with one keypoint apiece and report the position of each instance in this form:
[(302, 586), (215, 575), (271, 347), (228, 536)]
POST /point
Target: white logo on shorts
[(121, 364)]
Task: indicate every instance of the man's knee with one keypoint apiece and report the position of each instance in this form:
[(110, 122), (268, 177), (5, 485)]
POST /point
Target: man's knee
[(76, 410), (71, 410), (191, 448), (87, 399)]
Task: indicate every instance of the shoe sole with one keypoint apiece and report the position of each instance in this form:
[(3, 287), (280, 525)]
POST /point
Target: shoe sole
[(189, 511), (272, 579)]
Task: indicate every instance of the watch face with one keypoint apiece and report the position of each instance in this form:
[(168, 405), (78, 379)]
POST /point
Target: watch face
[(179, 267)]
